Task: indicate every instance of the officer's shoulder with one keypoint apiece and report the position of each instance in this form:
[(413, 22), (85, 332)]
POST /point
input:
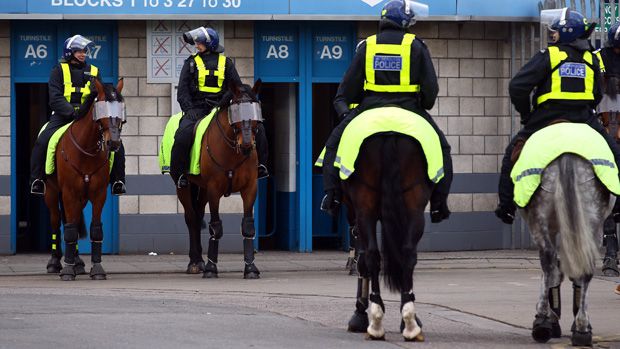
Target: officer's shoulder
[(420, 41)]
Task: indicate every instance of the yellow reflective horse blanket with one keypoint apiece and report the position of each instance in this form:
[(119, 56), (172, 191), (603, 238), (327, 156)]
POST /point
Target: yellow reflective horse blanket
[(50, 157), (547, 144), (165, 148), (387, 119)]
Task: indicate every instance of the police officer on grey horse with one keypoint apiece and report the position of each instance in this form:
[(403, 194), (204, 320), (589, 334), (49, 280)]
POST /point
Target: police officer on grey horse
[(417, 93), (71, 95), (205, 78), (609, 110)]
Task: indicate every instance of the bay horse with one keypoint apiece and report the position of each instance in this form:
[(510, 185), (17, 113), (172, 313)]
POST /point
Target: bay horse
[(570, 205), (228, 163), (390, 185), (82, 175)]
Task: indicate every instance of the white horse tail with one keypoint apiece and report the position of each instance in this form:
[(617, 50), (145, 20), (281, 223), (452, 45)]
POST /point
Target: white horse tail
[(578, 250)]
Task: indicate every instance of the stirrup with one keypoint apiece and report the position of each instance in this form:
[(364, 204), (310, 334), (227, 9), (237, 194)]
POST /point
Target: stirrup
[(37, 191), (182, 182), (262, 171), (118, 188)]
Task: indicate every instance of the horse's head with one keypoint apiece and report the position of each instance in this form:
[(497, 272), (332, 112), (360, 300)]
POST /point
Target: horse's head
[(244, 113), (109, 113)]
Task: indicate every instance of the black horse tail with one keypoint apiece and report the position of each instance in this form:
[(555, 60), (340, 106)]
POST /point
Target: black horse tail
[(393, 214)]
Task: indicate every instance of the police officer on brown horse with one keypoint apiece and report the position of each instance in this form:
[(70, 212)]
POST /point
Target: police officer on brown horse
[(71, 94), (205, 78), (390, 68)]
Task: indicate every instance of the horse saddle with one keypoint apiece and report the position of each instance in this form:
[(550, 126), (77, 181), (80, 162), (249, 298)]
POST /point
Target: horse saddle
[(387, 120), (50, 156), (547, 144), (167, 141), (520, 143)]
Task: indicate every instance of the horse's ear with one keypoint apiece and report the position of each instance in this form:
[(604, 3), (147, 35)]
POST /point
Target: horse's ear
[(119, 85), (257, 85), (235, 89), (100, 90)]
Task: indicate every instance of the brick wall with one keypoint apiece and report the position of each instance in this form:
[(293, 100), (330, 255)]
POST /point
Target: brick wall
[(5, 111), (472, 61)]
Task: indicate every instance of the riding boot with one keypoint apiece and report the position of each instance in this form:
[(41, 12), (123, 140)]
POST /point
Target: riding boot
[(37, 167), (333, 194), (262, 150), (117, 175), (439, 206), (506, 208), (179, 159), (610, 241)]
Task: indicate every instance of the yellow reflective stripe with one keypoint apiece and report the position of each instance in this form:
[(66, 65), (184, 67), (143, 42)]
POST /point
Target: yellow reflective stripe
[(203, 72), (555, 57), (70, 88), (403, 50), (600, 60), (53, 246), (353, 105), (53, 236)]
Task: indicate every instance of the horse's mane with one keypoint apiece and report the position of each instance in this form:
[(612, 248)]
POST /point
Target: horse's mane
[(110, 92), (227, 98)]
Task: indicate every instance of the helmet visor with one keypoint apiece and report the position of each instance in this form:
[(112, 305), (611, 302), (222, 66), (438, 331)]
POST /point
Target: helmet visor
[(78, 42), (196, 35), (419, 9), (549, 17)]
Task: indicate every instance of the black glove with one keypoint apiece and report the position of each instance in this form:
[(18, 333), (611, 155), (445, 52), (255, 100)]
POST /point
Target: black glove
[(193, 114)]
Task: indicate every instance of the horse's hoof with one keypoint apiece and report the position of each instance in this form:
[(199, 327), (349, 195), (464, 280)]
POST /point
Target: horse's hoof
[(542, 329), (194, 268), (556, 330), (251, 275), (54, 266), (67, 273), (97, 272), (209, 275), (610, 267), (581, 339), (251, 272), (80, 266), (358, 322), (417, 338), (375, 337)]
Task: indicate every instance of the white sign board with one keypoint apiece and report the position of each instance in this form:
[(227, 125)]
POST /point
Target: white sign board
[(166, 50)]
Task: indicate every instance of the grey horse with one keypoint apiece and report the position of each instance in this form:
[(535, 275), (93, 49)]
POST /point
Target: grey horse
[(565, 217)]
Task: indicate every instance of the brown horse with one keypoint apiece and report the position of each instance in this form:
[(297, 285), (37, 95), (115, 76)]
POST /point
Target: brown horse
[(82, 175), (228, 162), (390, 185)]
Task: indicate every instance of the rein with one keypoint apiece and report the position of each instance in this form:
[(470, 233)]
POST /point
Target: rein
[(231, 144), (98, 150)]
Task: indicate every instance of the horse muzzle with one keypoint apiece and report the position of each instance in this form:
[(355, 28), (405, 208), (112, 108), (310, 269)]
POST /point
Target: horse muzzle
[(113, 145)]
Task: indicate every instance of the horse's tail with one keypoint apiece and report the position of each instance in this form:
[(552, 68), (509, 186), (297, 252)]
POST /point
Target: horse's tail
[(578, 250), (393, 214)]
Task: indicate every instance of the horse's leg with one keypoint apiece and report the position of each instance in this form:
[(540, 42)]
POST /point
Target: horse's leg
[(96, 235), (410, 326), (359, 320), (185, 197), (582, 331), (610, 241), (200, 204), (51, 200), (215, 231), (248, 232), (73, 211), (373, 261), (547, 315), (353, 248)]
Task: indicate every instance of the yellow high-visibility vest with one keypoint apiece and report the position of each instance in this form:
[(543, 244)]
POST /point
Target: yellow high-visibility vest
[(391, 58), (70, 88), (203, 72), (569, 70)]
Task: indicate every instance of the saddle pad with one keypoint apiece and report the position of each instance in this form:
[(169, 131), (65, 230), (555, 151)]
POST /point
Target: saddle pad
[(50, 163), (547, 144), (165, 148), (387, 119)]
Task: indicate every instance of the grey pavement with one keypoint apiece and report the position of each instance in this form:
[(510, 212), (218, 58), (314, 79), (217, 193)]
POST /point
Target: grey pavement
[(464, 299)]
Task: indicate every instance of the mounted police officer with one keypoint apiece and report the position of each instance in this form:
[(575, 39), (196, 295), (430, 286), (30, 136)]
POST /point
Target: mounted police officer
[(71, 94), (205, 78), (565, 79), (411, 84), (609, 109)]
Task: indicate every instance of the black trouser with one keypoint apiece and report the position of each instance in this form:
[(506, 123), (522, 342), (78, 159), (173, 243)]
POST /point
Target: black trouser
[(506, 186), (331, 181), (39, 152), (184, 137)]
